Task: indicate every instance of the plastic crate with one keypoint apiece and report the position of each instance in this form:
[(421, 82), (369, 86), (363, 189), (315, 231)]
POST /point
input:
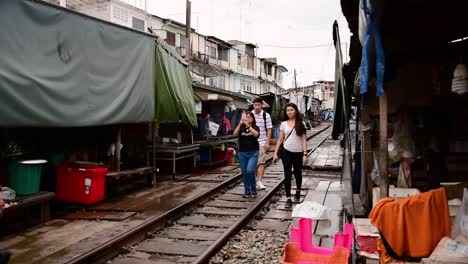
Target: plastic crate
[(81, 185)]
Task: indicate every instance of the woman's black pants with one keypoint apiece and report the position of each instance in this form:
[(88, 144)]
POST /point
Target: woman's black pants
[(292, 160)]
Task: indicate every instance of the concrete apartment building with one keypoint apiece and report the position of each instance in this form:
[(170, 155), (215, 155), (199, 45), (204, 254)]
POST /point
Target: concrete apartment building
[(228, 65)]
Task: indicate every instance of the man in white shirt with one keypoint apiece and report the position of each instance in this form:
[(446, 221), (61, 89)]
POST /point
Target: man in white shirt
[(263, 121)]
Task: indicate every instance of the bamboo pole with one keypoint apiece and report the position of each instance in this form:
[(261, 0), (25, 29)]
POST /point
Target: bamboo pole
[(383, 142), (367, 157)]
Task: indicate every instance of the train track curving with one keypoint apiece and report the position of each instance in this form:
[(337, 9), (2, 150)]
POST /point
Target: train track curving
[(196, 230)]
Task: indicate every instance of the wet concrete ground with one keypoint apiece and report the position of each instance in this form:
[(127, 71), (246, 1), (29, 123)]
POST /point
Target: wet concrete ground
[(60, 240)]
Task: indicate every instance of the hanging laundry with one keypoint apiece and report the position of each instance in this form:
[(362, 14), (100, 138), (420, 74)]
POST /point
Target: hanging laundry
[(372, 33)]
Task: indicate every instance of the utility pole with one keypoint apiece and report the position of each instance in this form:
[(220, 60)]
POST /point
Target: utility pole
[(188, 30), (295, 81)]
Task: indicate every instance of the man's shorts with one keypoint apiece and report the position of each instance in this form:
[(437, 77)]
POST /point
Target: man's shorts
[(262, 155)]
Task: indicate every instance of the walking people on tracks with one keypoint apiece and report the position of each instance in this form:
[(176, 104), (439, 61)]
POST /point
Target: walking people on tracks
[(263, 120), (248, 133), (293, 140)]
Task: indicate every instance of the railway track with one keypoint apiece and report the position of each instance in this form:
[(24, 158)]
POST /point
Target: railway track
[(196, 230)]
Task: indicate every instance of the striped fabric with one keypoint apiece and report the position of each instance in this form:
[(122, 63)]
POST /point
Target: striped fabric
[(262, 139)]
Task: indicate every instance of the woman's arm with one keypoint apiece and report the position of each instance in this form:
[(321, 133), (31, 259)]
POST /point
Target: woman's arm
[(279, 142), (305, 159), (254, 132), (304, 143), (236, 131)]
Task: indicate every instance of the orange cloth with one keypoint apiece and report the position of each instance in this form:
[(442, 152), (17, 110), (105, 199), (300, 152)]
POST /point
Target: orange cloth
[(384, 257), (413, 226)]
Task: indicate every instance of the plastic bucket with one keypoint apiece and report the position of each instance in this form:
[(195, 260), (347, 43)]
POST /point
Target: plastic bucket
[(25, 176), (230, 155)]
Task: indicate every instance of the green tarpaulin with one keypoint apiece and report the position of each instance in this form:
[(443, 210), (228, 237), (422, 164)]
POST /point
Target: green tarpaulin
[(62, 69), (173, 85)]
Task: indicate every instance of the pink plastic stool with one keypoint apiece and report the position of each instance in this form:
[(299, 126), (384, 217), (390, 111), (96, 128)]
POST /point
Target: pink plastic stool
[(302, 235)]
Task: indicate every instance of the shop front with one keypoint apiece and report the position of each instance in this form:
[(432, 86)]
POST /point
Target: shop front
[(409, 82), (218, 114)]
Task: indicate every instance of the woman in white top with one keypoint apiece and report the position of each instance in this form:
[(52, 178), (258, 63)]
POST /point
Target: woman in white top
[(294, 153)]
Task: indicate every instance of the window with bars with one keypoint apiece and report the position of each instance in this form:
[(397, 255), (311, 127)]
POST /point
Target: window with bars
[(223, 53), (250, 62), (221, 82), (183, 41), (170, 38), (138, 24), (120, 14), (213, 52), (246, 85)]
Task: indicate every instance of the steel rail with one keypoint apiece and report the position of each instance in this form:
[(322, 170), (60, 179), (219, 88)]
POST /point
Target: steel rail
[(112, 248)]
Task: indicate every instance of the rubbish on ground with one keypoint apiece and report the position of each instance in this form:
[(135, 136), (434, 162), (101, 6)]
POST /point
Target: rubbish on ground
[(312, 210)]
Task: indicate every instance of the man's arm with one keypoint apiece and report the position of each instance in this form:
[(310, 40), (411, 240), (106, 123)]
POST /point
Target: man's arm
[(269, 132)]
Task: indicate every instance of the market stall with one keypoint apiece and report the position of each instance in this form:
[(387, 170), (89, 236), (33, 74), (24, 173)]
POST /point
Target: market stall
[(411, 151), (173, 152), (90, 112), (219, 112)]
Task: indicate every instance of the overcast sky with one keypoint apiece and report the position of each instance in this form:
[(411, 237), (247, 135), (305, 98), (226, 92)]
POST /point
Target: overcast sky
[(270, 24)]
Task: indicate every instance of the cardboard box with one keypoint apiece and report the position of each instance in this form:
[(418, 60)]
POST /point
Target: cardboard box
[(449, 251), (453, 190)]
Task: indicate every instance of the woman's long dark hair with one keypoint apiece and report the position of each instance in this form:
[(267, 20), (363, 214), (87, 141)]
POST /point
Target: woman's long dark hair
[(299, 125), (248, 113)]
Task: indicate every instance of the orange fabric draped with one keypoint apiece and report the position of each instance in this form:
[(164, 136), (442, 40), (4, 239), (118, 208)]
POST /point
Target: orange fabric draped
[(413, 226)]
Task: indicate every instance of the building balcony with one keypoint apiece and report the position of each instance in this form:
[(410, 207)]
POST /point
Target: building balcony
[(213, 61)]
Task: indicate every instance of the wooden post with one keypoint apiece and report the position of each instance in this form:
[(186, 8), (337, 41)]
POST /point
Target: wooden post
[(117, 148), (368, 159), (295, 81), (208, 127), (383, 150), (155, 168)]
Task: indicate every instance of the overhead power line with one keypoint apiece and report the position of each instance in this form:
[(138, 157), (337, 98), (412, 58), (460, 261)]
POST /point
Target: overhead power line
[(297, 47)]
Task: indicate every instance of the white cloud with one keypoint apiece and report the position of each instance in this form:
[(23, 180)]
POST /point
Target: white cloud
[(289, 23)]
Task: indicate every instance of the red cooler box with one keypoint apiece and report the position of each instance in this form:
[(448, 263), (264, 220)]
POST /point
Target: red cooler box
[(80, 185)]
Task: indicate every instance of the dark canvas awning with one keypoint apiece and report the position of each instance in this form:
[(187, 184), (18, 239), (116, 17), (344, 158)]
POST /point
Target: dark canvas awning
[(61, 69), (204, 69), (64, 69), (174, 94), (202, 96), (240, 104)]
